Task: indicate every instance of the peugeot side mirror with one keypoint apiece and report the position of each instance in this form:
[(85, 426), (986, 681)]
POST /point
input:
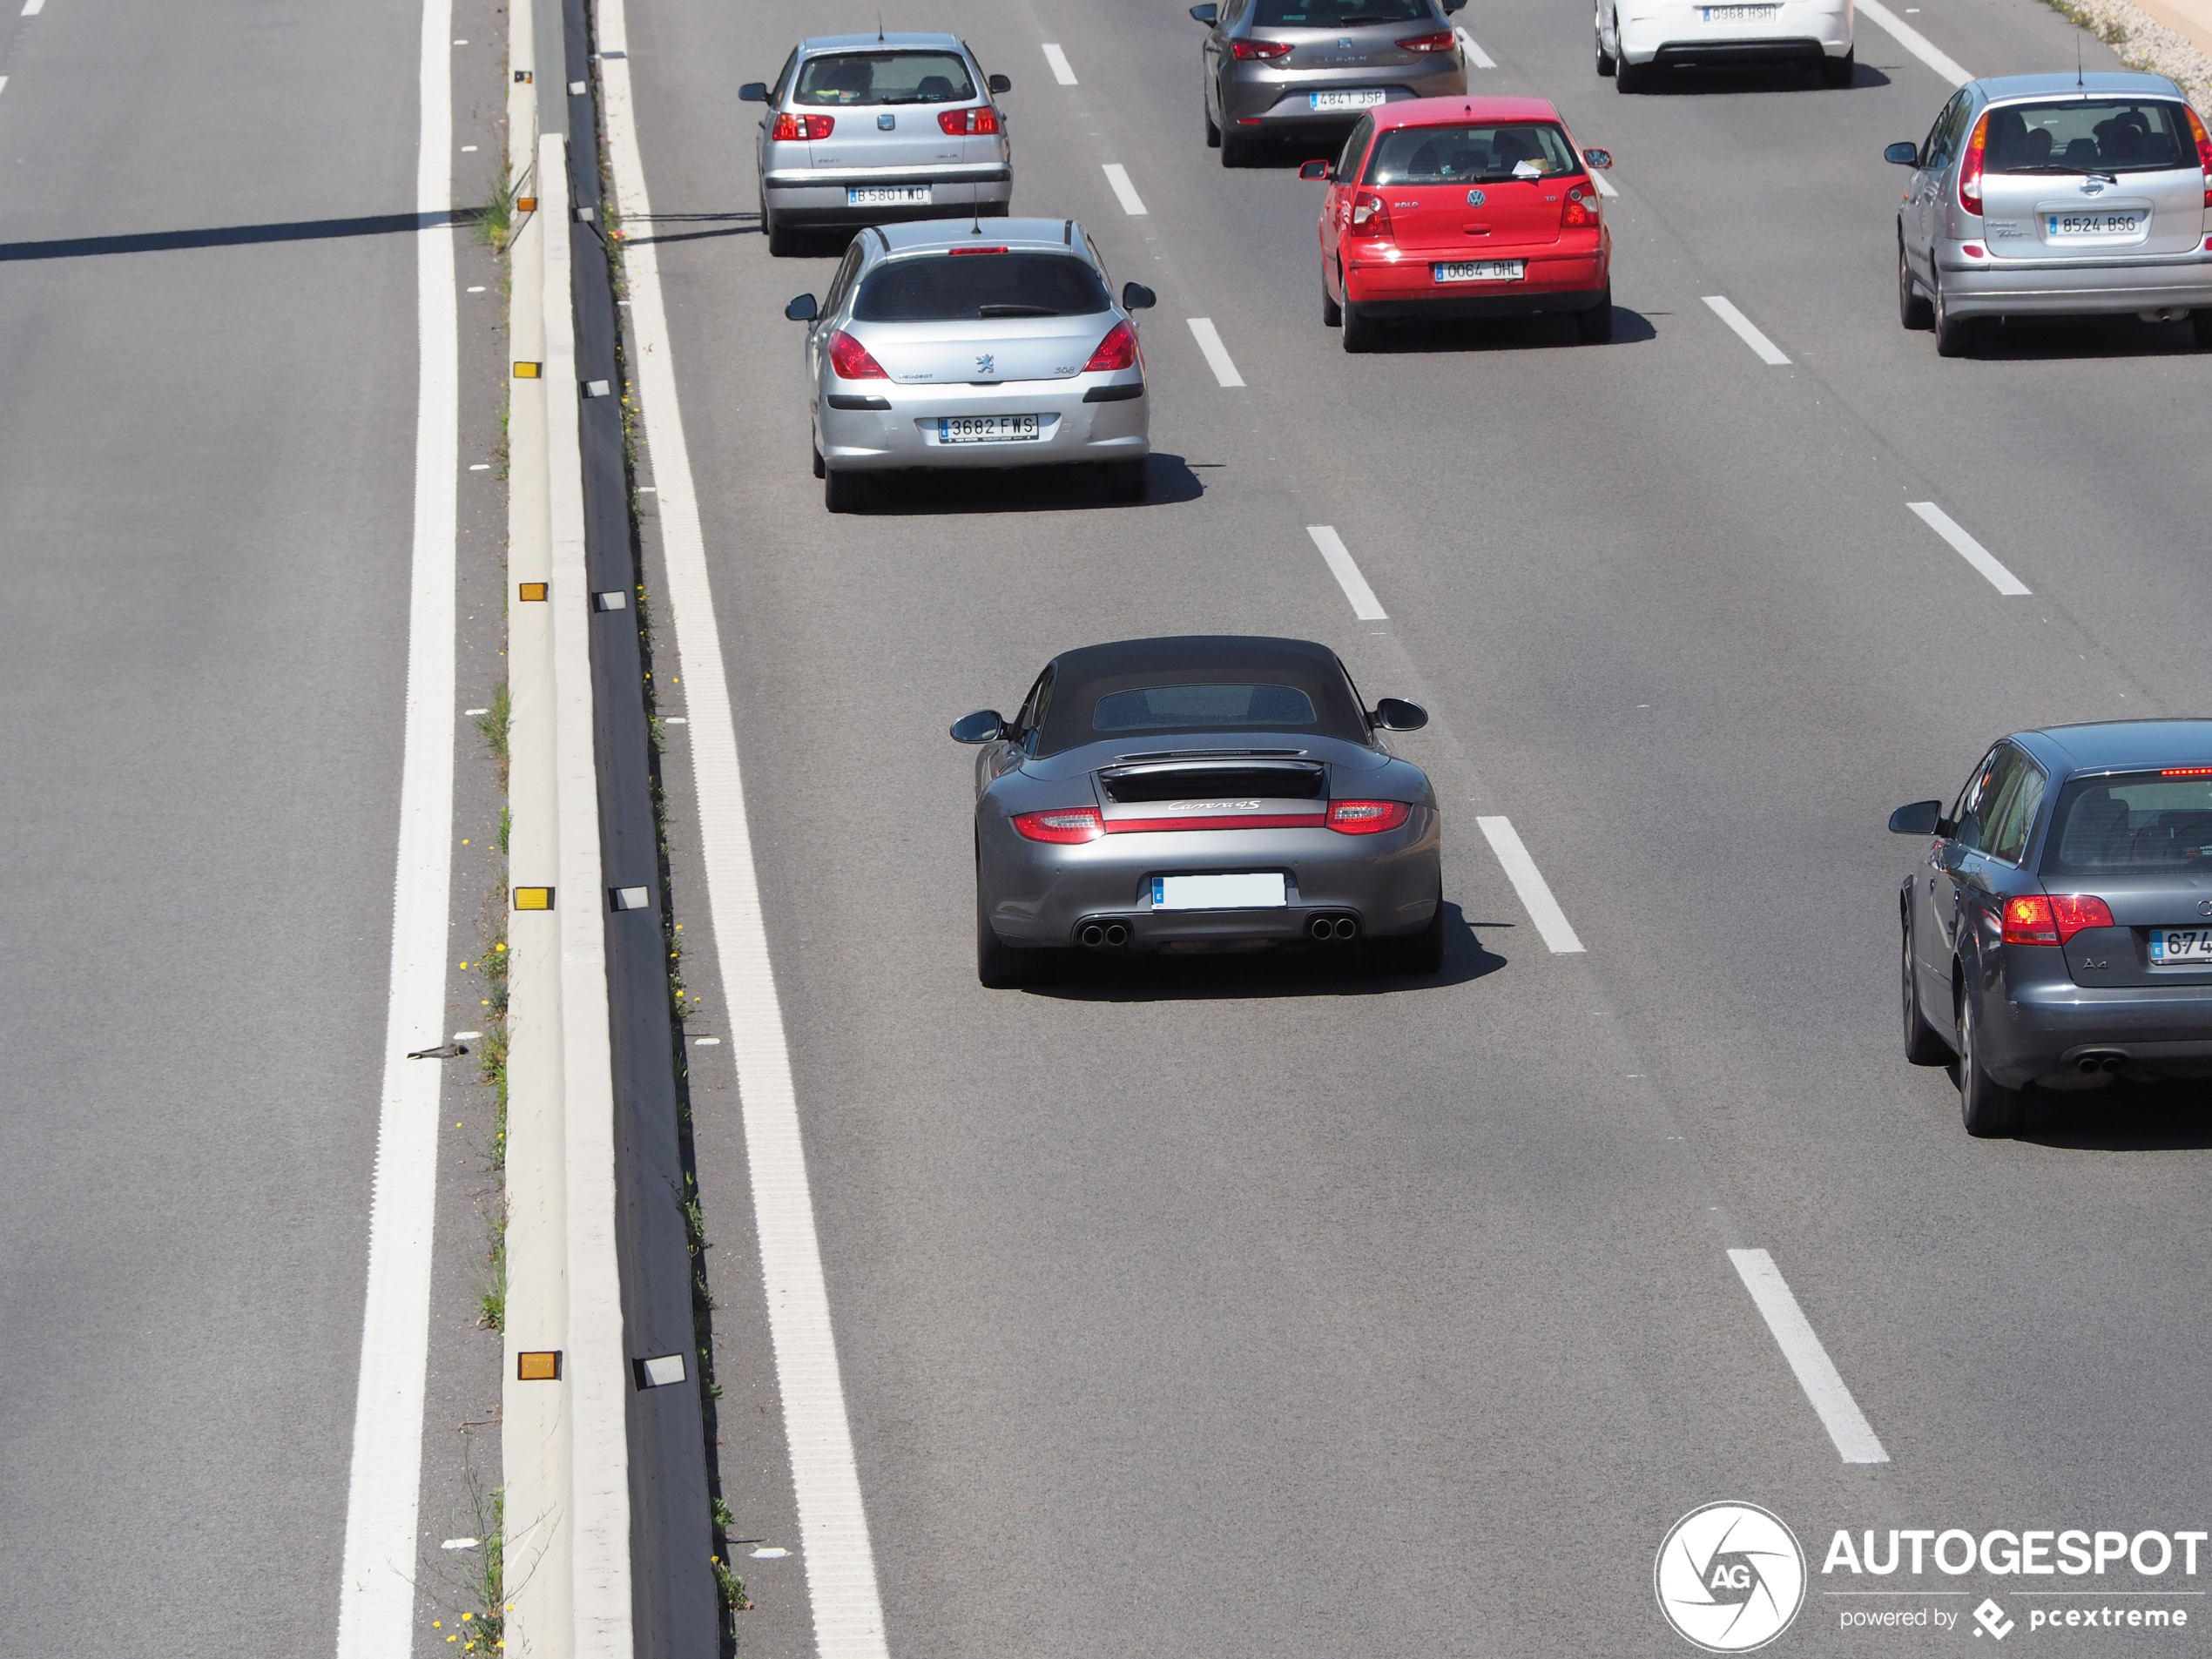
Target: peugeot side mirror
[(1206, 14), (1904, 153), (1136, 297), (1396, 714), (998, 84), (803, 309), (1921, 817), (1313, 170), (753, 92), (1602, 159), (980, 727)]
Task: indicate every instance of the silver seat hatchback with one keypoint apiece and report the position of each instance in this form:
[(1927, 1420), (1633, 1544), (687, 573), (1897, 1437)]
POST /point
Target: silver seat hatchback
[(868, 129), (972, 344), (2056, 194)]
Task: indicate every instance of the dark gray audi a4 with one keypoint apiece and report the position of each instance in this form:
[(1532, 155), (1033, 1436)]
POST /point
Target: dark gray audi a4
[(2058, 927), (1208, 793)]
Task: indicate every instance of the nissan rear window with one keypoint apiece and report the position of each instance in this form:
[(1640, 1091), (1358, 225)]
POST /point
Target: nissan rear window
[(1471, 155), (962, 288), (1337, 14), (1182, 708), (2133, 824), (2100, 135), (885, 77)]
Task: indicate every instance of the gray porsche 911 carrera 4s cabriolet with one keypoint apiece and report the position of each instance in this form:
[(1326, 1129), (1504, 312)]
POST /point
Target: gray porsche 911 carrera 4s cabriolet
[(1206, 793)]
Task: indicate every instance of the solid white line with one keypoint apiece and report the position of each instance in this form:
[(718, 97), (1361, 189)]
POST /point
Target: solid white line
[(1216, 354), (1117, 176), (1916, 43), (1528, 881), (376, 1581), (1482, 59), (825, 1482), (1969, 550), (1364, 606), (1604, 185), (1768, 351), (1817, 1375), (1062, 70)]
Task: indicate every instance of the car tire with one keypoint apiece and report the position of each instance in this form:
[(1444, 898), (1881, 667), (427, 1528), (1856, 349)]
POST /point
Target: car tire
[(999, 967), (1987, 1110), (1213, 132), (1839, 72), (1331, 312), (842, 492), (1360, 330), (783, 241), (1606, 65), (1954, 335), (1924, 1044), (1595, 326), (1236, 150), (1629, 77), (2200, 321), (1913, 310), (1421, 952), (1127, 481), (820, 471)]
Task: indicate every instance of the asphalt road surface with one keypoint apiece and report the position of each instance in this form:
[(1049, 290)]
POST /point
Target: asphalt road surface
[(1245, 1311)]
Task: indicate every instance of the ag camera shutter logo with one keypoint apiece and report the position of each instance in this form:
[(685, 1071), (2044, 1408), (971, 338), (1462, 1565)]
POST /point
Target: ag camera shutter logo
[(1729, 1577)]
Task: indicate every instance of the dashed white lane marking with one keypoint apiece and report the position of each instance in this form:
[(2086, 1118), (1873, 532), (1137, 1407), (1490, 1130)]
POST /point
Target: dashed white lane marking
[(480, 466), (376, 1579), (1816, 1374), (1745, 330), (1916, 43), (1969, 550), (1528, 881), (1604, 185), (1482, 59), (4, 83), (847, 1604), (1062, 70), (1364, 606), (1218, 358), (1117, 176), (32, 8)]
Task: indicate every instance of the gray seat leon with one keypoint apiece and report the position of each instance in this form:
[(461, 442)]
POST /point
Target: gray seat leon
[(2057, 923)]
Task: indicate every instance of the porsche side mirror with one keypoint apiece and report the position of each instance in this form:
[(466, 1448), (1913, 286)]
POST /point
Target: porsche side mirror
[(753, 92), (1205, 14), (1136, 297), (1313, 170), (803, 309), (1451, 6), (998, 83), (980, 727), (1601, 159), (1904, 153), (1396, 714), (1921, 817)]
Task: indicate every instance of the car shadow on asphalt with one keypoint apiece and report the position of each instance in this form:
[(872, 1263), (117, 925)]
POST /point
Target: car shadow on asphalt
[(1170, 483), (1217, 976), (1691, 82), (2139, 1117), (2050, 340), (1505, 334)]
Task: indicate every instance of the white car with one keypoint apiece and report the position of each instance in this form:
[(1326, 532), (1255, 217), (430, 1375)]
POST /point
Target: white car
[(1638, 40)]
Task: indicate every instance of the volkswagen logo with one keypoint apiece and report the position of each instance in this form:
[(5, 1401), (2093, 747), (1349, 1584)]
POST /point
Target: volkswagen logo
[(1729, 1577), (1475, 199), (2204, 907)]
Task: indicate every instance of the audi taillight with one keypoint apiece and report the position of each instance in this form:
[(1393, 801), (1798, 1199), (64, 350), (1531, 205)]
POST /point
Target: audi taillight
[(2203, 152), (1264, 50), (2034, 920), (1437, 43), (1117, 350), (1367, 817), (1064, 824), (1370, 217), (1970, 169), (851, 359), (956, 122), (1581, 212), (792, 128)]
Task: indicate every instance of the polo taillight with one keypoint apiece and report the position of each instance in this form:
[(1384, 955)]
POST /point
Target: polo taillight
[(1440, 42), (792, 128), (1065, 825), (1117, 350), (1367, 817), (851, 359), (956, 122), (1265, 49), (2034, 920), (2203, 152), (1581, 212), (1370, 216), (1970, 169)]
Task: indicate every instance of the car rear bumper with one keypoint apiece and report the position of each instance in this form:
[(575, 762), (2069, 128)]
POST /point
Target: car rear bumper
[(2042, 1033), (808, 199), (1407, 287), (905, 434), (1280, 100), (1803, 31), (1995, 288)]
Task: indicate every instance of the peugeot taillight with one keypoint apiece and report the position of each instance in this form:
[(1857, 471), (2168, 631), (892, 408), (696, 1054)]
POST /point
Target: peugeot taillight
[(1367, 817), (792, 128), (1440, 42), (1264, 50), (2203, 152), (1064, 824), (983, 120), (1370, 217), (2034, 920), (1581, 212), (1117, 350), (851, 359), (1970, 169)]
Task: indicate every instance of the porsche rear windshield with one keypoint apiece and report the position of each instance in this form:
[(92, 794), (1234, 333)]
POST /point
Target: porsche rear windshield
[(2100, 135), (961, 287), (1337, 14), (885, 77), (2134, 823), (1184, 708), (1471, 155)]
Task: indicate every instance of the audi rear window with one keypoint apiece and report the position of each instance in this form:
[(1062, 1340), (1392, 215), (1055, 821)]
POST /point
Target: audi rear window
[(962, 288), (1471, 155), (885, 77), (1184, 708), (2100, 135), (1337, 14), (2133, 824)]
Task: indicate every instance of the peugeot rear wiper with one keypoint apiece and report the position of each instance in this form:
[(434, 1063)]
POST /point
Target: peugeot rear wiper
[(1010, 310)]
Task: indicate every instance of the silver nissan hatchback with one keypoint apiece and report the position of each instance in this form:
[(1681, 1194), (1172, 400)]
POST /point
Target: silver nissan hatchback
[(2056, 194)]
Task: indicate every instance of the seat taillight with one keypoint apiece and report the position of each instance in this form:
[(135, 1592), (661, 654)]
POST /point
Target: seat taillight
[(1970, 169), (1367, 817), (794, 128), (1064, 824), (1117, 350), (851, 359), (1436, 43), (956, 122), (1264, 50)]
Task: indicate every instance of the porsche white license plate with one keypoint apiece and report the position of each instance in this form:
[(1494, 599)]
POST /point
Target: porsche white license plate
[(1740, 14), (1358, 98), (887, 195), (1480, 271), (2180, 947), (988, 428), (2086, 227), (1219, 892)]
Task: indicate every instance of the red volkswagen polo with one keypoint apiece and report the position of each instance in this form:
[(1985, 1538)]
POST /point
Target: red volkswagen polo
[(1463, 208)]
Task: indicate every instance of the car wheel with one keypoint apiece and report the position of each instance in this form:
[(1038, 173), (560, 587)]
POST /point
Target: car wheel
[(1127, 481), (1421, 952), (1331, 312), (1987, 1109), (1839, 72), (1605, 64), (1236, 150), (1954, 335), (820, 471), (1913, 307), (1629, 77), (842, 491), (1213, 130), (1594, 327), (999, 967), (2201, 322), (1924, 1044), (1359, 329)]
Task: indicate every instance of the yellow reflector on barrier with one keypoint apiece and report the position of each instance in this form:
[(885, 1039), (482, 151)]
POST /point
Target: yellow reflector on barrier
[(531, 591), (533, 898), (538, 1367)]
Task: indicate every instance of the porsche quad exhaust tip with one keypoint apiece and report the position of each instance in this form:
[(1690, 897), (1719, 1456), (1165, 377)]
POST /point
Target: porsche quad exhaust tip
[(1103, 935), (1332, 928)]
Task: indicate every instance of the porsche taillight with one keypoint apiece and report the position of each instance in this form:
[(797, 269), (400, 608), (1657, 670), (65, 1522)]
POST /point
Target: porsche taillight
[(851, 359), (795, 128), (1064, 824), (1367, 817)]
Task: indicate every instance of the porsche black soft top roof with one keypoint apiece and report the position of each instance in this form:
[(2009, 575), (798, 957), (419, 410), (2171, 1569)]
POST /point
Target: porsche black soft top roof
[(1082, 676)]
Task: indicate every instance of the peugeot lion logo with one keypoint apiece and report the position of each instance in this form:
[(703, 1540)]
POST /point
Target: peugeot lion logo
[(985, 363), (1729, 1577), (1475, 198)]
